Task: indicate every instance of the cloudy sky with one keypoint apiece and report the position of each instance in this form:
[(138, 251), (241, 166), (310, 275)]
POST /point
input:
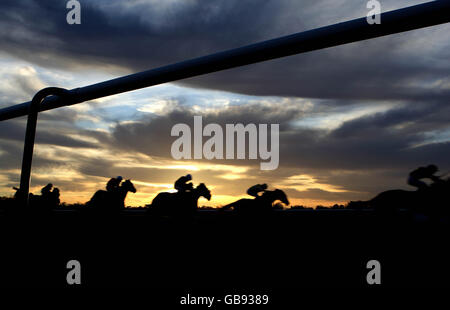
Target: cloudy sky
[(354, 119)]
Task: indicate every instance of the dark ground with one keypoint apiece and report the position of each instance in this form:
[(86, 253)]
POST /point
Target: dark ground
[(286, 249)]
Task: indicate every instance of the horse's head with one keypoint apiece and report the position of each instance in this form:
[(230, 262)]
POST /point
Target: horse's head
[(280, 195), (128, 186), (202, 190)]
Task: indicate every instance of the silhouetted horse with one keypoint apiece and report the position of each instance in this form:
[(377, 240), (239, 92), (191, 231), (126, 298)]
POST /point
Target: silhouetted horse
[(262, 203), (430, 201), (48, 201), (105, 201), (183, 203)]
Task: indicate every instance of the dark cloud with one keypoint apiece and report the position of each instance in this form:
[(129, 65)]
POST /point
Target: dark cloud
[(10, 154), (387, 139), (368, 150), (384, 145), (139, 36), (15, 130), (151, 135)]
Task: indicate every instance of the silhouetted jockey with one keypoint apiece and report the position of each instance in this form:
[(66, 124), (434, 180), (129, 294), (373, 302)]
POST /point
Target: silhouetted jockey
[(113, 184), (420, 173), (182, 185), (49, 195), (256, 189), (49, 198), (54, 197), (46, 190)]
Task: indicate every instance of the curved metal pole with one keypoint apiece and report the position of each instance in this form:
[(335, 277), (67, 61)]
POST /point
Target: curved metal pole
[(30, 134)]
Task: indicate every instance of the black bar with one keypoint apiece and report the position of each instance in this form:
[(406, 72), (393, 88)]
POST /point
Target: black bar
[(414, 17)]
